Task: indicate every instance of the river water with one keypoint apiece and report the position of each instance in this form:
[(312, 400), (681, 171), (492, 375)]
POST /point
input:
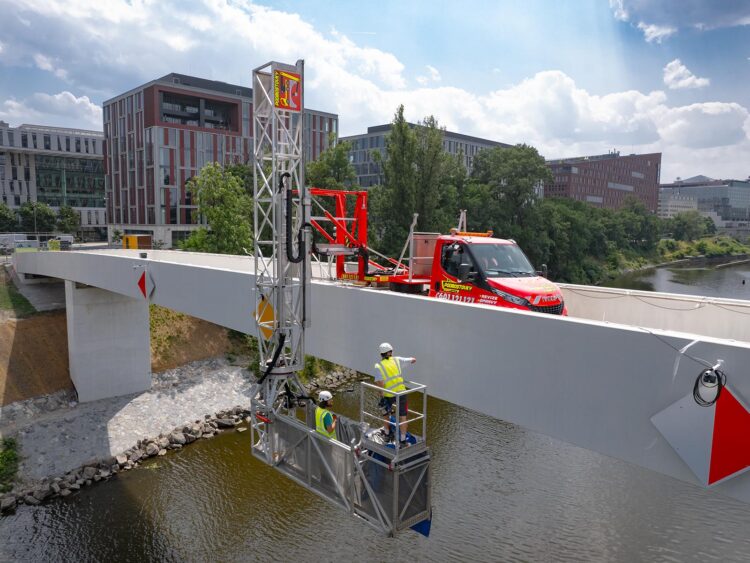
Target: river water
[(500, 493)]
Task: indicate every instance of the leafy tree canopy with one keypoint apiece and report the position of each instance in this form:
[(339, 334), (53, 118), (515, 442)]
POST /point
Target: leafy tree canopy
[(68, 220), (223, 200), (8, 219), (37, 217)]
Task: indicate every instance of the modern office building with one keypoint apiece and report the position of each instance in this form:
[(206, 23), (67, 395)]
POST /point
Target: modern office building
[(605, 180), (672, 203), (160, 134), (56, 166), (368, 170), (729, 199)]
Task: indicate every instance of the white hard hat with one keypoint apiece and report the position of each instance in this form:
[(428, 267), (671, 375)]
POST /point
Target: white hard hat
[(325, 396), (385, 348)]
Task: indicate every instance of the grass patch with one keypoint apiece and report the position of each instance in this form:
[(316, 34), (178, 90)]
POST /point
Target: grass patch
[(11, 299), (707, 246), (8, 463)]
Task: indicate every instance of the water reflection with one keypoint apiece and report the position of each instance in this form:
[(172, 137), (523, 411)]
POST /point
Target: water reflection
[(711, 282)]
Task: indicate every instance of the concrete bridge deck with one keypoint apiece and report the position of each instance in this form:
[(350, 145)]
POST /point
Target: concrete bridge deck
[(595, 382)]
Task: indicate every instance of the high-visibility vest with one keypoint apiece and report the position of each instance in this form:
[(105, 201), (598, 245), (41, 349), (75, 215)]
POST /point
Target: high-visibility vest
[(320, 426), (390, 369)]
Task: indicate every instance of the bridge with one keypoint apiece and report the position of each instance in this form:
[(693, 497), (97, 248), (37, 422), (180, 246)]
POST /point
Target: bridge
[(616, 377)]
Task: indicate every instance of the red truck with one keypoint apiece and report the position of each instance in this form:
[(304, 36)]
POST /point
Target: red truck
[(462, 266)]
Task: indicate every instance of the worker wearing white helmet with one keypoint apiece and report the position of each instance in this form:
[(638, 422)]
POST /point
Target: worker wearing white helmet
[(388, 375), (325, 421)]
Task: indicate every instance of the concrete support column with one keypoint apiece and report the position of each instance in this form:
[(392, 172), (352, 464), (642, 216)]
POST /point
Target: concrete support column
[(108, 342)]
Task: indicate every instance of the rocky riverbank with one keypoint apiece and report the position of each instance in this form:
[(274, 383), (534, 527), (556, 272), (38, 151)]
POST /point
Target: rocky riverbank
[(66, 446)]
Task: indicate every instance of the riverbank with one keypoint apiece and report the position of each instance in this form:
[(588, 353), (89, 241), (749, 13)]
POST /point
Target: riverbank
[(64, 445)]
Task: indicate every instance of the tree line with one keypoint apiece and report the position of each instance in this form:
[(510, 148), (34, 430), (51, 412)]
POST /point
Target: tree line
[(34, 216), (578, 242)]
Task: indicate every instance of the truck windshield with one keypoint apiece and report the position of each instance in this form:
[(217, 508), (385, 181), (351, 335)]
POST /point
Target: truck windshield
[(502, 260)]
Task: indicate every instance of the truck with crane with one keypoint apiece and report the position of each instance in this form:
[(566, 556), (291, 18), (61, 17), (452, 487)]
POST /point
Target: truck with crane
[(463, 266)]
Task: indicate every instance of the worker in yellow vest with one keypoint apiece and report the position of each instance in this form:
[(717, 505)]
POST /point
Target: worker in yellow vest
[(388, 375), (325, 421)]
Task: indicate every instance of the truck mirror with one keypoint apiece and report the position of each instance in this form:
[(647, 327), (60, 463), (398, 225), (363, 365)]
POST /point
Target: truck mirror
[(543, 272), (463, 271)]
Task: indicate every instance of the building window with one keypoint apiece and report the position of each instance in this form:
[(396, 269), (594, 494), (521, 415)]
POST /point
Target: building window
[(11, 140), (24, 140), (86, 145), (67, 144), (33, 140), (78, 144)]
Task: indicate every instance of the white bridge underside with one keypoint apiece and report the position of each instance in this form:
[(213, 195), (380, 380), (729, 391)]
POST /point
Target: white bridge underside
[(593, 379)]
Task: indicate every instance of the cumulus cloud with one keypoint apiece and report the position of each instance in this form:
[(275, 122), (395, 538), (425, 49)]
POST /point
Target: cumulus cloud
[(678, 76), (699, 14), (45, 63), (224, 39), (656, 33), (433, 75), (63, 109)]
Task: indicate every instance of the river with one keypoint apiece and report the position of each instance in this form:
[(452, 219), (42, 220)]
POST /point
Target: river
[(500, 493)]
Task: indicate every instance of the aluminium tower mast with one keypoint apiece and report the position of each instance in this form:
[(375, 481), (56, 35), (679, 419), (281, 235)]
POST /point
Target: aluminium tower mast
[(281, 241)]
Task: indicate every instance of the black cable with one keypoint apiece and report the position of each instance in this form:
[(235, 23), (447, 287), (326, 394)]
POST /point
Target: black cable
[(289, 234), (276, 354), (711, 376)]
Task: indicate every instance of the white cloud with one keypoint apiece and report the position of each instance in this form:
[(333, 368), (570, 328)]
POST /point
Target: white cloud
[(433, 75), (698, 14), (655, 33), (225, 39), (678, 76), (62, 109), (45, 63)]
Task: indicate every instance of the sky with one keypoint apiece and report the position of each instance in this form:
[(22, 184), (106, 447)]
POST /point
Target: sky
[(571, 78)]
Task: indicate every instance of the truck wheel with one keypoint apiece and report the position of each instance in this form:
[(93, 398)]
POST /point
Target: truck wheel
[(411, 288)]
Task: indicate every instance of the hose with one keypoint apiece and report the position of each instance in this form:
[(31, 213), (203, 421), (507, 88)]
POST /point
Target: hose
[(289, 235)]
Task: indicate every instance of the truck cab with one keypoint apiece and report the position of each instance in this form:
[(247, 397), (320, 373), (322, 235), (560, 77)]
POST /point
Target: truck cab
[(476, 268)]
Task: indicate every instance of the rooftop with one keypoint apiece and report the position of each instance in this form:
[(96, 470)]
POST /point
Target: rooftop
[(453, 135)]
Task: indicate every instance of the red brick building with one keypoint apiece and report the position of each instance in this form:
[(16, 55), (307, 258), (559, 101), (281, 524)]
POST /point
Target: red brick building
[(160, 134), (606, 180)]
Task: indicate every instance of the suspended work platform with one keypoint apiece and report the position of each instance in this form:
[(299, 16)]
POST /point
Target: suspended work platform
[(381, 481)]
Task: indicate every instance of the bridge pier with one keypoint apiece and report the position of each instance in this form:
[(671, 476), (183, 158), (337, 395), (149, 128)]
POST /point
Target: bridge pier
[(108, 342)]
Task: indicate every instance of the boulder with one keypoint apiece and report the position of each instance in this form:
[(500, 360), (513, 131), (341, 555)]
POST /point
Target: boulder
[(177, 438), (225, 423), (8, 502), (121, 459), (31, 501), (152, 449), (105, 473), (162, 442), (89, 472), (189, 438), (42, 492), (97, 478), (55, 488), (75, 486), (65, 492), (208, 435), (162, 452), (135, 456)]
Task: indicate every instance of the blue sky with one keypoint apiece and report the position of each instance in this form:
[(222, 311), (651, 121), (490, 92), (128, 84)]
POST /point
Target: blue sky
[(571, 78)]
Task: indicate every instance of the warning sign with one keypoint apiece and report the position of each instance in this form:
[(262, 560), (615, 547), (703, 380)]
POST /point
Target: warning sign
[(287, 90)]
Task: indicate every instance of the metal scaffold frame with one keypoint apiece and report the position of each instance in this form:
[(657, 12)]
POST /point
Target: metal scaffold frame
[(388, 487), (280, 237)]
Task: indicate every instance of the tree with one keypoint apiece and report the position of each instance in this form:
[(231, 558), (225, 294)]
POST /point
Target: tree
[(8, 219), (436, 176), (68, 220), (222, 199), (689, 225), (393, 203), (37, 217), (332, 170)]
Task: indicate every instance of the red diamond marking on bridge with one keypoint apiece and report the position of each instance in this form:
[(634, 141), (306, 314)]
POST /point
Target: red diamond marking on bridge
[(142, 284), (730, 450)]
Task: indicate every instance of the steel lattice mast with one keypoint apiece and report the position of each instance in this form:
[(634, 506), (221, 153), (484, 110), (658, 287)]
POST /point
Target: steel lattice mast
[(281, 247)]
